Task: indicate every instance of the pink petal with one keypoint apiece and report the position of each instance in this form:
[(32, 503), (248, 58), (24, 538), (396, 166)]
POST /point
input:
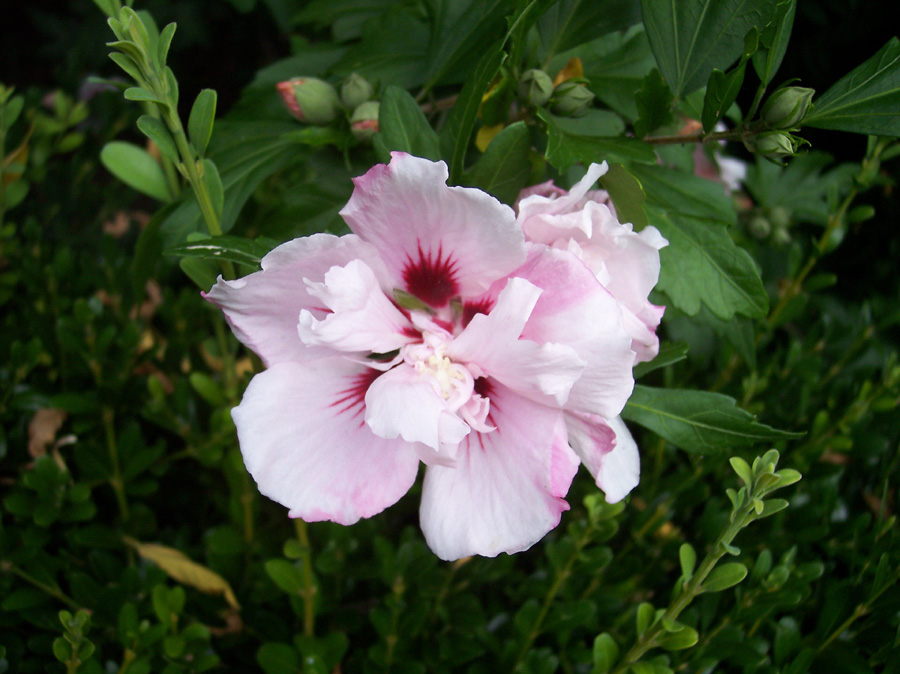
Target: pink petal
[(403, 403), (438, 242), (363, 318), (576, 311), (543, 372), (303, 439), (263, 308), (547, 214), (506, 490), (608, 451)]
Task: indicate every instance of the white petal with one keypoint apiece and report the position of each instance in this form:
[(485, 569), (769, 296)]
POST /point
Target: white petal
[(608, 451), (303, 439)]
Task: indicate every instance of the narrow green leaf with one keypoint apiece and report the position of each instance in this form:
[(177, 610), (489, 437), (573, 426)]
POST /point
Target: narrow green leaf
[(136, 168), (742, 468), (644, 617), (774, 40), (173, 85), (226, 247), (165, 41), (141, 94), (723, 88), (697, 421), (772, 506), (202, 272), (724, 576), (504, 169), (156, 131), (285, 575), (147, 250), (691, 37), (654, 103), (457, 131), (679, 640), (213, 184), (127, 64), (130, 49), (403, 126), (867, 100), (200, 122)]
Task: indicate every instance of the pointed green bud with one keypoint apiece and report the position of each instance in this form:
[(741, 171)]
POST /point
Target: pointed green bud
[(535, 87), (787, 107), (310, 100), (774, 144), (759, 227), (364, 121), (571, 99), (355, 91)]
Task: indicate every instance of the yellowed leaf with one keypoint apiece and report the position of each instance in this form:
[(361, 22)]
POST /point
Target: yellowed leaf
[(184, 570), (572, 69), (486, 135), (42, 430)]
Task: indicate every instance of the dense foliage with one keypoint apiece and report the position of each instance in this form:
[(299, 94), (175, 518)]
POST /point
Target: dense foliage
[(133, 540)]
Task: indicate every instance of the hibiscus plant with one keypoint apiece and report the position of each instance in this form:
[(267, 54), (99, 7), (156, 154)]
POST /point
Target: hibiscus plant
[(489, 329)]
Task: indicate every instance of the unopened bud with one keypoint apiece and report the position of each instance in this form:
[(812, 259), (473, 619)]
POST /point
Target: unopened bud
[(759, 227), (787, 107), (535, 87), (310, 100), (571, 99), (364, 121), (355, 91), (780, 216), (775, 144)]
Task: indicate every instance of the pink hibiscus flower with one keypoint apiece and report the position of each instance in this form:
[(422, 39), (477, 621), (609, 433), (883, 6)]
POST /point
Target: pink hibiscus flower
[(433, 333), (626, 263)]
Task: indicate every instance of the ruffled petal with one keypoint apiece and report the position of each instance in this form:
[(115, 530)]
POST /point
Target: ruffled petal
[(263, 308), (304, 441), (547, 214), (608, 451), (576, 311), (363, 318), (507, 487), (438, 242), (543, 372), (403, 403)]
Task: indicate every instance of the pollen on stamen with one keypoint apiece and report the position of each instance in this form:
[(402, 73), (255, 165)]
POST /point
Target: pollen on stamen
[(431, 278)]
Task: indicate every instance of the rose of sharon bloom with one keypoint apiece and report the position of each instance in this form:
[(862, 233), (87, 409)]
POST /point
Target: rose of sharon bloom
[(433, 333), (626, 263)]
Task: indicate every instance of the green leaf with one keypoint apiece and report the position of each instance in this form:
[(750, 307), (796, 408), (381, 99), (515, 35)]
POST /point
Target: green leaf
[(679, 640), (697, 421), (225, 247), (654, 104), (202, 272), (200, 122), (213, 184), (723, 577), (626, 194), (156, 131), (644, 617), (867, 100), (721, 92), (136, 168), (772, 506), (285, 575), (774, 40), (688, 559), (457, 132), (141, 94), (742, 468), (462, 31), (148, 250), (165, 41), (277, 658), (691, 37), (504, 169), (127, 64), (564, 149), (670, 352), (403, 126), (570, 23), (606, 653), (681, 192), (702, 264)]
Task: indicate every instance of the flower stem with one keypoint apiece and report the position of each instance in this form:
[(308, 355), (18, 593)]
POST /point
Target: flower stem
[(54, 592), (115, 480), (309, 587)]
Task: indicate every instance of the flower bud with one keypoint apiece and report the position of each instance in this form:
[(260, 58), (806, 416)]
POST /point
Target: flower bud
[(310, 100), (535, 87), (759, 227), (775, 144), (355, 91), (364, 121), (571, 99), (787, 107)]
